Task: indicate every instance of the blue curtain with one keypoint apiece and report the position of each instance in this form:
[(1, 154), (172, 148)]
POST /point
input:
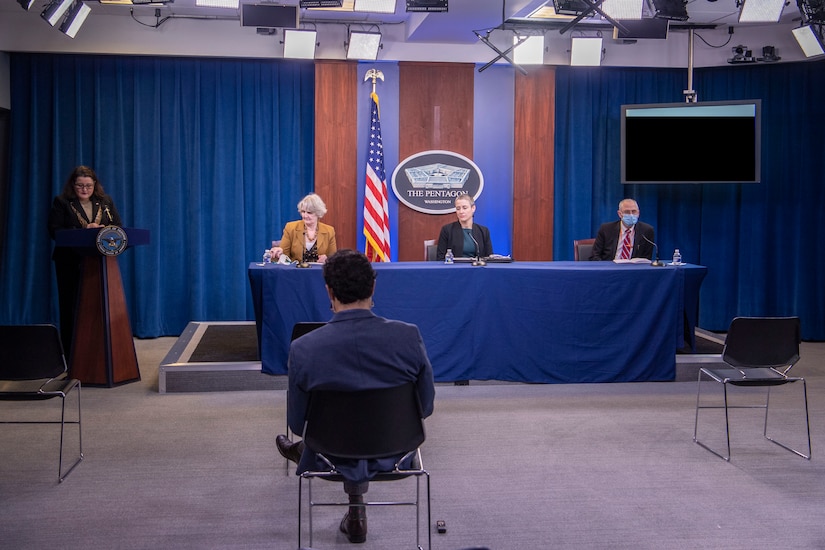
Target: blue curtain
[(212, 156), (759, 241)]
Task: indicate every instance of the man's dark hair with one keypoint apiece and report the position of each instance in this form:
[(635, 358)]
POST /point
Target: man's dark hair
[(349, 274)]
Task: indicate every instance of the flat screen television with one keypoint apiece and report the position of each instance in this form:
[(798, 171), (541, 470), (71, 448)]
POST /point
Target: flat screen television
[(711, 142)]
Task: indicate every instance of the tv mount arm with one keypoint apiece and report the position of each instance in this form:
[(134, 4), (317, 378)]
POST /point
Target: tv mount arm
[(690, 93)]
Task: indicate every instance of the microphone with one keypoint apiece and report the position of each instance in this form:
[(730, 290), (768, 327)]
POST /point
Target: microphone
[(656, 262), (478, 260), (106, 208)]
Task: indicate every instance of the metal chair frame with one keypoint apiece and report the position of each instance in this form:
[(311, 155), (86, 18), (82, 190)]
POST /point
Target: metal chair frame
[(767, 375), (48, 378), (393, 475), (378, 443)]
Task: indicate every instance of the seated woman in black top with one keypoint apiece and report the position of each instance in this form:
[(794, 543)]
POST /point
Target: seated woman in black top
[(465, 238)]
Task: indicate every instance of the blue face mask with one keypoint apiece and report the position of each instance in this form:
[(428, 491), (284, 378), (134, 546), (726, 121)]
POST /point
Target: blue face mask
[(630, 219)]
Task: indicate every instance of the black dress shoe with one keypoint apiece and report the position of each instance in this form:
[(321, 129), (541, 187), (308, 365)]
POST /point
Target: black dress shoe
[(288, 449), (354, 524)]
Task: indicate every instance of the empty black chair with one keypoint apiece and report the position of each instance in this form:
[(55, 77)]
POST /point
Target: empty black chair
[(33, 368), (366, 424), (760, 351)]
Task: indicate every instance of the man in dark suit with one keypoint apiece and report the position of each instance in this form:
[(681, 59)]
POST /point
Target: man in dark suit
[(356, 350), (624, 239)]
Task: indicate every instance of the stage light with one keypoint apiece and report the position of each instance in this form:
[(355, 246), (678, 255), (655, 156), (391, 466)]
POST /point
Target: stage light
[(427, 5), (586, 52), (55, 10), (73, 22), (299, 44), (809, 40), (530, 51), (623, 9), (675, 10), (321, 3), (375, 6), (363, 45), (229, 4), (26, 4), (572, 7), (813, 11), (761, 11)]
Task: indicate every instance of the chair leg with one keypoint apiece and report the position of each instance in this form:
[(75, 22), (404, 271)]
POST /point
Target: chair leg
[(60, 475), (807, 423), (429, 516), (727, 421), (300, 507)]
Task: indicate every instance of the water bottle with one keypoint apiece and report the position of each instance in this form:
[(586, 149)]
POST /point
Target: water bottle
[(677, 257), (448, 257), (267, 256)]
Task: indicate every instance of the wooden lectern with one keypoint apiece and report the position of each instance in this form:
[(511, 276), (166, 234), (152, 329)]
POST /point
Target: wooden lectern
[(103, 349)]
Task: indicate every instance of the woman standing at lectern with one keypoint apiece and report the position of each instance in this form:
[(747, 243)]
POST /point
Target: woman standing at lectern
[(81, 204)]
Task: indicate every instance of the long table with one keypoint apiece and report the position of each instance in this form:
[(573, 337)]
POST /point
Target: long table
[(550, 322)]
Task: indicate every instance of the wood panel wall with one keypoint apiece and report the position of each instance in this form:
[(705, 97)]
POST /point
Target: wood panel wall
[(533, 164), (435, 106), (436, 112), (336, 147)]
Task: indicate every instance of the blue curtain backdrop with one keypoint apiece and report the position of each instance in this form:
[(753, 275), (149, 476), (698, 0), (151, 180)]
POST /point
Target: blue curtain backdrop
[(761, 242), (211, 156)]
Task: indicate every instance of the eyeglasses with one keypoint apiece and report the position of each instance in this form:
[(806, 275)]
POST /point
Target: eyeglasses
[(84, 186)]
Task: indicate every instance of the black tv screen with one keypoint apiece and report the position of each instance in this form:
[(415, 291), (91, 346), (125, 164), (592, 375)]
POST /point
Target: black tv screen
[(712, 142)]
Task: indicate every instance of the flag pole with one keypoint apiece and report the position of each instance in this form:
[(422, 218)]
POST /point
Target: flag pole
[(376, 209)]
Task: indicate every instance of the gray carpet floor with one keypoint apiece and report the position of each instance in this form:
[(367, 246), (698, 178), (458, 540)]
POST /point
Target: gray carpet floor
[(514, 466)]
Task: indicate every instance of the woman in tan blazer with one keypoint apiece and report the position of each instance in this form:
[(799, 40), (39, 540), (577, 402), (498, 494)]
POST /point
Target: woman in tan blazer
[(307, 239)]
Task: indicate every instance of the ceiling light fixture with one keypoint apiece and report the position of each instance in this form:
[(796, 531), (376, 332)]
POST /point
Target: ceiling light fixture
[(586, 52), (26, 4), (675, 10), (427, 5), (581, 9), (55, 11), (228, 4), (363, 45), (74, 20), (528, 50), (375, 6), (623, 9), (299, 44), (809, 40), (320, 3), (760, 11), (813, 11)]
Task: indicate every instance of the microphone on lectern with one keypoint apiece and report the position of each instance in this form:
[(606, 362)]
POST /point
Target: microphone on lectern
[(478, 260), (656, 262)]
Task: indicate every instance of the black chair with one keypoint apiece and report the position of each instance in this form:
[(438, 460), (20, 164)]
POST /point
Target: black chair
[(582, 248), (362, 425), (430, 250), (298, 330), (33, 368), (759, 351)]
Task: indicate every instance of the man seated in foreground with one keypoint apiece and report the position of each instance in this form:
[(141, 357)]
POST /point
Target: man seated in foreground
[(356, 350)]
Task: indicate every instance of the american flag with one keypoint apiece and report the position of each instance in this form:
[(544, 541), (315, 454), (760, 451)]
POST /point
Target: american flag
[(376, 211)]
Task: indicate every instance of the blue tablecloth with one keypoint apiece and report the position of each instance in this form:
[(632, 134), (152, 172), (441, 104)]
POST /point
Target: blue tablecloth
[(524, 321)]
